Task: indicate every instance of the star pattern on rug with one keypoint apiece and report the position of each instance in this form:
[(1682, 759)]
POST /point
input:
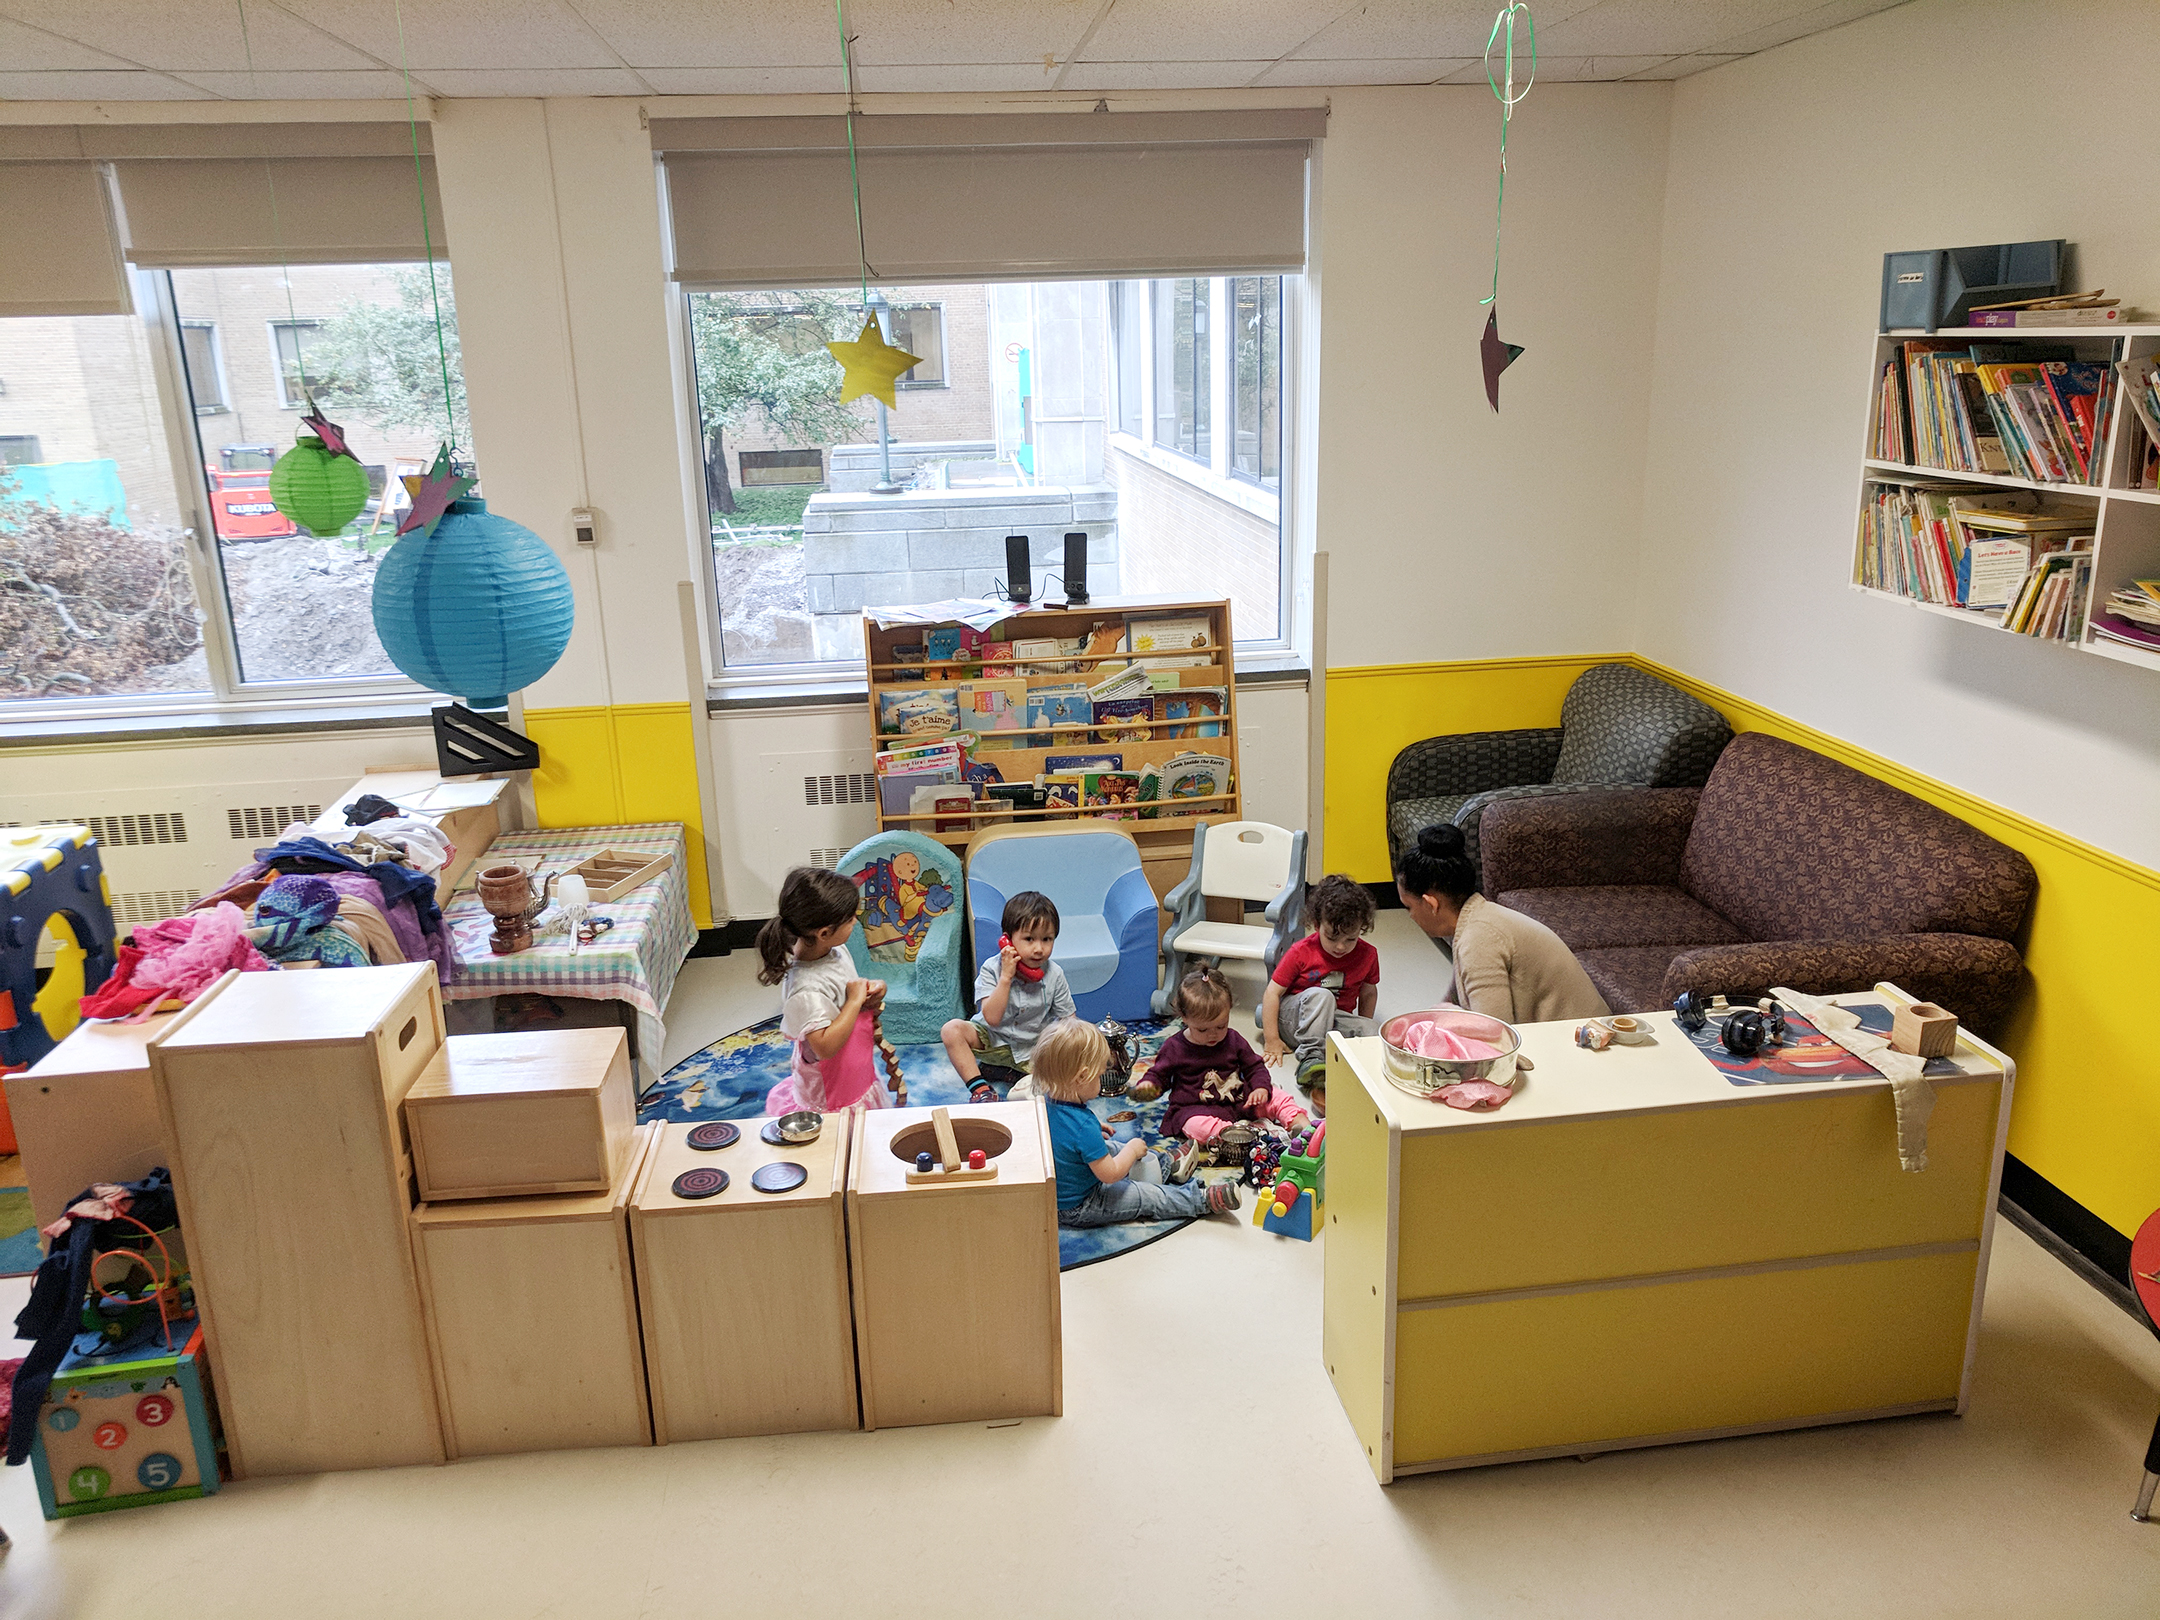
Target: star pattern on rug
[(871, 366), (432, 494)]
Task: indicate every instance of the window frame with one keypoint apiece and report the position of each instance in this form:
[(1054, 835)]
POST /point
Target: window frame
[(277, 359), (216, 352)]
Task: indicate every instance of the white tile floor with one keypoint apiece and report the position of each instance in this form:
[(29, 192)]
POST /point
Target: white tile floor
[(1202, 1465)]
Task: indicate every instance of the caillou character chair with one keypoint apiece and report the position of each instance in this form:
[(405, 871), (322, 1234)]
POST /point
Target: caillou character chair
[(908, 930), (1241, 861), (1106, 909), (51, 879)]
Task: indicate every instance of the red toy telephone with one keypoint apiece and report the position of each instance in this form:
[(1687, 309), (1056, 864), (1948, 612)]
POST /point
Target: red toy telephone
[(1020, 968)]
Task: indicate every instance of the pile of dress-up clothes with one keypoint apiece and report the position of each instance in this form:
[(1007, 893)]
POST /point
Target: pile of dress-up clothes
[(367, 898)]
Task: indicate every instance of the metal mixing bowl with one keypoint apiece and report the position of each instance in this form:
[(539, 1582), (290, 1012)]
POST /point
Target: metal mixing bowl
[(1421, 1076)]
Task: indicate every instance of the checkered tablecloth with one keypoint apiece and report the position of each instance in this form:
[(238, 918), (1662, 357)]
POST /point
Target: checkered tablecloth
[(635, 961)]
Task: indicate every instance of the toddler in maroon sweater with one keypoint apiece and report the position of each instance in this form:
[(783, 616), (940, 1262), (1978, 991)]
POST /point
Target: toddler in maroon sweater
[(1212, 1076)]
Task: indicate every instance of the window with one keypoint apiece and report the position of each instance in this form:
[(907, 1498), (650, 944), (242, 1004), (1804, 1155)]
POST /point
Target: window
[(96, 594), (292, 339), (1256, 396), (920, 329), (206, 378), (1183, 395)]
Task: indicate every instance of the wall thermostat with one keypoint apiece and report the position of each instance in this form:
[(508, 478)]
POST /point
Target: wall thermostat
[(583, 526)]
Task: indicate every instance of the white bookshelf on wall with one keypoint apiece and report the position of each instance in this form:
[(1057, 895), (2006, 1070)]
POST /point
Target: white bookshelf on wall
[(1967, 491)]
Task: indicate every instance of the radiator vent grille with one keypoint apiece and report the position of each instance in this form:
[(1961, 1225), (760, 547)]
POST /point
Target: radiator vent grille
[(266, 821), (148, 906), (156, 827), (850, 787), (827, 858)]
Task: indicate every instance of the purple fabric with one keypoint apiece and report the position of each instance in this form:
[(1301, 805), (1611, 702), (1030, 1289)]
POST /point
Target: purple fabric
[(404, 922)]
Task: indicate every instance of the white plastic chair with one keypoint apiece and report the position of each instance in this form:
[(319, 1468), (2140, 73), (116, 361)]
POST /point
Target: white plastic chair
[(1242, 861)]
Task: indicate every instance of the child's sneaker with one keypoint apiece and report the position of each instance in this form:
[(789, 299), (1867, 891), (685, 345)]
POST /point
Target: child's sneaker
[(1223, 1198), (1180, 1159)]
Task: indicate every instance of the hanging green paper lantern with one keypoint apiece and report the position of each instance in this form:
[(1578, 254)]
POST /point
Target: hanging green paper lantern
[(319, 490)]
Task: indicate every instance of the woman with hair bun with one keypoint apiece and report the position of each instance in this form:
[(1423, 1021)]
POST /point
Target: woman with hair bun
[(1507, 965)]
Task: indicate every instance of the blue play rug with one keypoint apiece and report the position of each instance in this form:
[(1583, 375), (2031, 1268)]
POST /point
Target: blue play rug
[(729, 1079)]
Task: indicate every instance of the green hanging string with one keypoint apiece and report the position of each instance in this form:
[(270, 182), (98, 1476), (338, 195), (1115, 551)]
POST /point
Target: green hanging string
[(1508, 96), (427, 241), (847, 78), (277, 231)]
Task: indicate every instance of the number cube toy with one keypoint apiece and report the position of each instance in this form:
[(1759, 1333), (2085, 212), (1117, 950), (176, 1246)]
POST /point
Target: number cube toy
[(126, 1431)]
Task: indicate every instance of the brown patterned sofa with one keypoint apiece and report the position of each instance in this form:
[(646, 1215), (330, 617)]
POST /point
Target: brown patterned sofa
[(1785, 868)]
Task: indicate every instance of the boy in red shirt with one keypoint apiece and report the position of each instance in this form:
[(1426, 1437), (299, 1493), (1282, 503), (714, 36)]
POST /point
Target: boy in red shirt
[(1330, 979)]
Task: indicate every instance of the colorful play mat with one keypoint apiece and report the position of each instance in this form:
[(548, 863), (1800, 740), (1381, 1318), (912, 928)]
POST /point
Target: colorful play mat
[(729, 1079)]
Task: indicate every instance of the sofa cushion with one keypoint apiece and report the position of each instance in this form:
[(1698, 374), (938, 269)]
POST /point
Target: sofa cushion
[(1622, 724), (1789, 844), (1613, 914), (1630, 978)]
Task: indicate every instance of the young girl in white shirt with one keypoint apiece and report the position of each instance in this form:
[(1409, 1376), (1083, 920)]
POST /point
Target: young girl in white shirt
[(821, 1001)]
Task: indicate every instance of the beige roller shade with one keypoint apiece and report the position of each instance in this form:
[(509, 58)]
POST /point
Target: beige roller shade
[(296, 210), (766, 202), (59, 254)]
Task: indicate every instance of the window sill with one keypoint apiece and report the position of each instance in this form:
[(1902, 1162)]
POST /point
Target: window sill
[(191, 725)]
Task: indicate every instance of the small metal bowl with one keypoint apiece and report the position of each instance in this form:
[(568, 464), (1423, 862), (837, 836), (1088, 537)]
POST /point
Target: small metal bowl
[(799, 1128), (1423, 1076)]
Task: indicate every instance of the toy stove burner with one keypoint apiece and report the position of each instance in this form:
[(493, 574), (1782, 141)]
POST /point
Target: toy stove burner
[(703, 1182), (712, 1137), (780, 1177)]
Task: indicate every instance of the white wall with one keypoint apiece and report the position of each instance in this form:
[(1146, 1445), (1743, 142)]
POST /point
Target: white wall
[(1792, 174), (1453, 533)]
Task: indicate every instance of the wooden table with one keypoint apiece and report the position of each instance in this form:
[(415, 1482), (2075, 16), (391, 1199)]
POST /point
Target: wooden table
[(1636, 1251)]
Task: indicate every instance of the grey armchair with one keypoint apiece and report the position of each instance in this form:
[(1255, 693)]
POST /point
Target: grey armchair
[(1619, 728)]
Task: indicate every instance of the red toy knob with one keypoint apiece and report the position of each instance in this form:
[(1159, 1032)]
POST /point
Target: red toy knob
[(976, 1160)]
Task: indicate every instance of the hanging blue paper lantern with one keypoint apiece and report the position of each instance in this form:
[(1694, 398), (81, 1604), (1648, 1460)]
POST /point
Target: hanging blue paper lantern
[(478, 608)]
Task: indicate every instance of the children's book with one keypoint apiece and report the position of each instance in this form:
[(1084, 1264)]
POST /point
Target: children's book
[(930, 712), (1110, 711), (1081, 764), (1202, 706), (1113, 795), (1169, 635)]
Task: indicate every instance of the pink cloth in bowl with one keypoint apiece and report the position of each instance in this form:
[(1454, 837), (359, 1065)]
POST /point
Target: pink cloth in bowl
[(1428, 1039)]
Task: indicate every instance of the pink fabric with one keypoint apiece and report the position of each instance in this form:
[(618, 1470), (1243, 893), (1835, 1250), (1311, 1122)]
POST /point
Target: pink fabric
[(850, 1078), (1473, 1094), (1432, 1040)]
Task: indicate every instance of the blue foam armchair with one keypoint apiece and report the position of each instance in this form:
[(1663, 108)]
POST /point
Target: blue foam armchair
[(1106, 909), (908, 931)]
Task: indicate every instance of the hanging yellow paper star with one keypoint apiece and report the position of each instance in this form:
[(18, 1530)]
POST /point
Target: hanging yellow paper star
[(871, 366)]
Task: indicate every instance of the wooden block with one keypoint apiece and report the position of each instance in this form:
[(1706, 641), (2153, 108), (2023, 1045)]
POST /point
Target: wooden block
[(956, 1286), (532, 1318), (279, 1095), (87, 1112), (1922, 1029), (744, 1295), (506, 1116)]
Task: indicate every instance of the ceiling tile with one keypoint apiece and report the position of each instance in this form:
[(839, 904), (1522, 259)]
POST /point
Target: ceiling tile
[(1182, 31), (337, 85), (674, 34), (1661, 27), (956, 76), (1571, 69), (1161, 75), (97, 86), (1424, 70), (534, 81), (475, 34), (743, 81), (190, 33), (1812, 20), (27, 49), (1419, 28), (1681, 66)]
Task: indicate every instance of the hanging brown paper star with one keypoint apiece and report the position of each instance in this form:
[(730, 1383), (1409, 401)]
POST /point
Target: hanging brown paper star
[(332, 436), (1496, 355), (871, 366), (432, 494)]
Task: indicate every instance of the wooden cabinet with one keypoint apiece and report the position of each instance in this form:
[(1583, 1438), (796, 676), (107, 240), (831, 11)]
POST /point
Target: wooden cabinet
[(1635, 1251), (507, 1116), (744, 1293), (87, 1112), (956, 1287), (532, 1318), (279, 1096)]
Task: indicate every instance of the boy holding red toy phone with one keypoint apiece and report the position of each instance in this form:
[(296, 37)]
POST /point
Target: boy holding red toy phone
[(1019, 994)]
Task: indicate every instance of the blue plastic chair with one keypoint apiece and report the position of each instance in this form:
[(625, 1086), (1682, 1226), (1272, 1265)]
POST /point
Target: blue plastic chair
[(1106, 909), (908, 931)]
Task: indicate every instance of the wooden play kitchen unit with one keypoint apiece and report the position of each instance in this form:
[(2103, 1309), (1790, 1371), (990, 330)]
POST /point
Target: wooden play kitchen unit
[(1636, 1251), (956, 1275)]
